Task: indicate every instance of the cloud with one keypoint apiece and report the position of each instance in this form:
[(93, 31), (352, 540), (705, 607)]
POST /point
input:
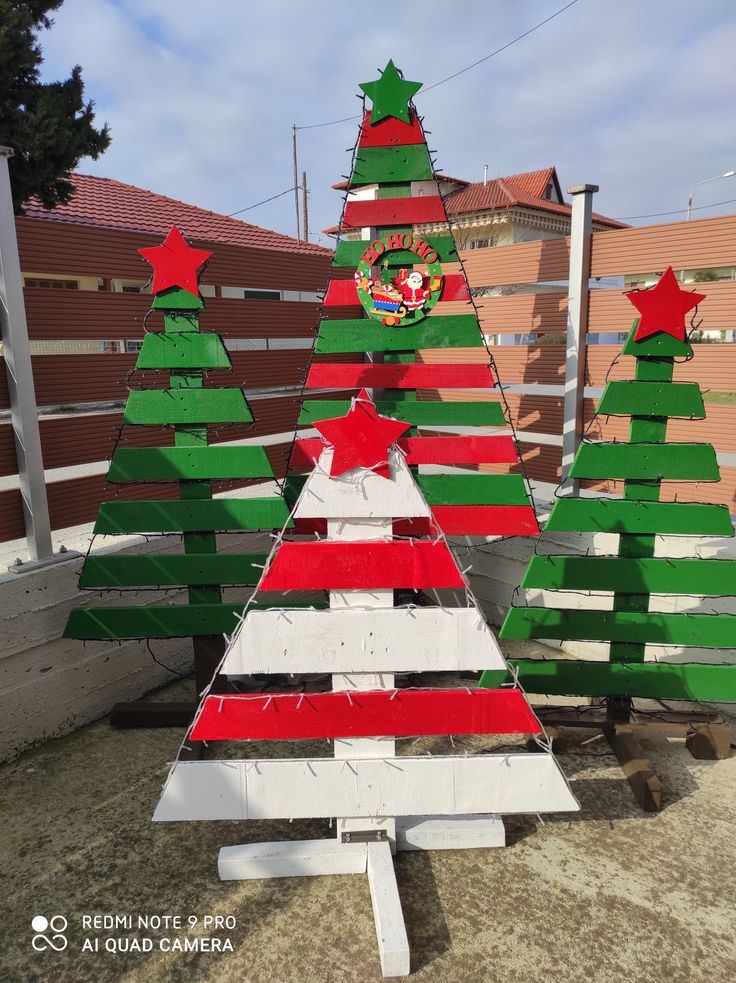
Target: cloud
[(201, 98)]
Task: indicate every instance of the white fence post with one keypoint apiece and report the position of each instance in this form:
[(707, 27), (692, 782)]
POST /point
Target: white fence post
[(577, 325), (17, 353)]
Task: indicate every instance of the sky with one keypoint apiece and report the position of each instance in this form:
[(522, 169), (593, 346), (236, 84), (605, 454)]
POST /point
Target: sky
[(636, 96)]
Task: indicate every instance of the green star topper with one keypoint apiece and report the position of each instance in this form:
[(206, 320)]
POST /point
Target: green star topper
[(390, 95)]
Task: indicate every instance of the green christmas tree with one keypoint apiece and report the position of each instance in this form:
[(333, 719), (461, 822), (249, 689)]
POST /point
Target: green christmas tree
[(189, 409), (656, 340)]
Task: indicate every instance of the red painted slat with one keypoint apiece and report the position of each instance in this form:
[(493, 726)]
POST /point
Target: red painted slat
[(498, 449), (472, 520), (390, 132), (393, 211), (343, 292), (362, 566), (372, 713), (356, 375)]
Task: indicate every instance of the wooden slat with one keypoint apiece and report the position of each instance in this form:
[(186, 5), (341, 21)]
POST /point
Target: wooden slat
[(697, 244), (662, 518), (712, 366), (358, 375), (472, 520), (661, 575), (370, 713), (683, 462), (515, 363), (498, 448), (653, 399), (393, 211), (211, 515), (188, 463), (701, 630), (373, 165), (664, 681), (183, 350), (186, 406), (361, 566), (390, 132), (412, 411), (171, 570)]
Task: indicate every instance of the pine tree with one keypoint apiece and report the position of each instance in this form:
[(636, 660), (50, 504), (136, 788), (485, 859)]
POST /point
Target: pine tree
[(48, 124), (399, 282), (360, 486), (656, 341), (188, 409)]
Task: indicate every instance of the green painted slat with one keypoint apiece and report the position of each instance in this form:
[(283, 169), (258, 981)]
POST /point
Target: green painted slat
[(176, 299), (216, 515), (178, 406), (682, 462), (374, 165), (703, 630), (681, 399), (653, 680), (348, 252), (661, 345), (172, 571), (183, 350), (419, 413), (451, 489), (164, 621), (614, 515), (367, 335), (189, 463), (660, 575)]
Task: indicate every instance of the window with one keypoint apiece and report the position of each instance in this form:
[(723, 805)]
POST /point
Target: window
[(51, 284), (133, 346), (252, 294), (479, 243)]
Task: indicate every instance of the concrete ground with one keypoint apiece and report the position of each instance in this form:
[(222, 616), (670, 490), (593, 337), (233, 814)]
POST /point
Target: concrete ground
[(609, 895)]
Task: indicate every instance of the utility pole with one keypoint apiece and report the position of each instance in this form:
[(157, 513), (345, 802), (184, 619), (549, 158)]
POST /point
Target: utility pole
[(305, 210), (296, 181)]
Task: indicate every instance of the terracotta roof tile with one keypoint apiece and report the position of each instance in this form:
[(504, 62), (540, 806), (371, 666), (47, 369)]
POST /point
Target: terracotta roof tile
[(106, 202)]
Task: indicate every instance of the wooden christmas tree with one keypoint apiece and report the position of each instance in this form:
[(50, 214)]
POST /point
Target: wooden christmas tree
[(631, 577), (189, 409), (382, 801), (404, 292)]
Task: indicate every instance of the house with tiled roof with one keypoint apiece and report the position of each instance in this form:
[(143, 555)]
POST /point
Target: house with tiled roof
[(90, 245), (498, 211)]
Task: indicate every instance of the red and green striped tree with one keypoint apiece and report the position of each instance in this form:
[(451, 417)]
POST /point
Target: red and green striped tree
[(398, 292), (631, 577)]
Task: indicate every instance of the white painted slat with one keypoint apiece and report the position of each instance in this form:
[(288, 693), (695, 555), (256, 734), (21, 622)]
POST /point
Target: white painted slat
[(449, 832), (361, 640), (361, 494), (393, 944), (299, 788), (292, 858)]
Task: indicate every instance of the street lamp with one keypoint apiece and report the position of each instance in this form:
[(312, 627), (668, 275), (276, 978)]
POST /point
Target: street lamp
[(707, 181)]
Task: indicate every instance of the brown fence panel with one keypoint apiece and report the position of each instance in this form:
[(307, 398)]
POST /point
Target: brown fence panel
[(611, 310), (521, 313), (713, 366), (99, 314), (524, 262), (694, 245)]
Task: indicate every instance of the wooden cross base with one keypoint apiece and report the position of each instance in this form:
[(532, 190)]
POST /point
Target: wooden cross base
[(707, 737), (365, 853)]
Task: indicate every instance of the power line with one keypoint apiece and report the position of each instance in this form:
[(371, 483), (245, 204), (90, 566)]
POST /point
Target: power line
[(265, 200), (677, 211), (503, 47), (347, 119)]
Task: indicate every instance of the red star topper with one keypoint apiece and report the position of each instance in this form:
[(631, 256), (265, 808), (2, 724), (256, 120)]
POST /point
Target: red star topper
[(663, 307), (361, 438), (174, 263)]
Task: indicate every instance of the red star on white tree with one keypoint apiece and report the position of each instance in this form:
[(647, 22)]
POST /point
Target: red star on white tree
[(361, 438)]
